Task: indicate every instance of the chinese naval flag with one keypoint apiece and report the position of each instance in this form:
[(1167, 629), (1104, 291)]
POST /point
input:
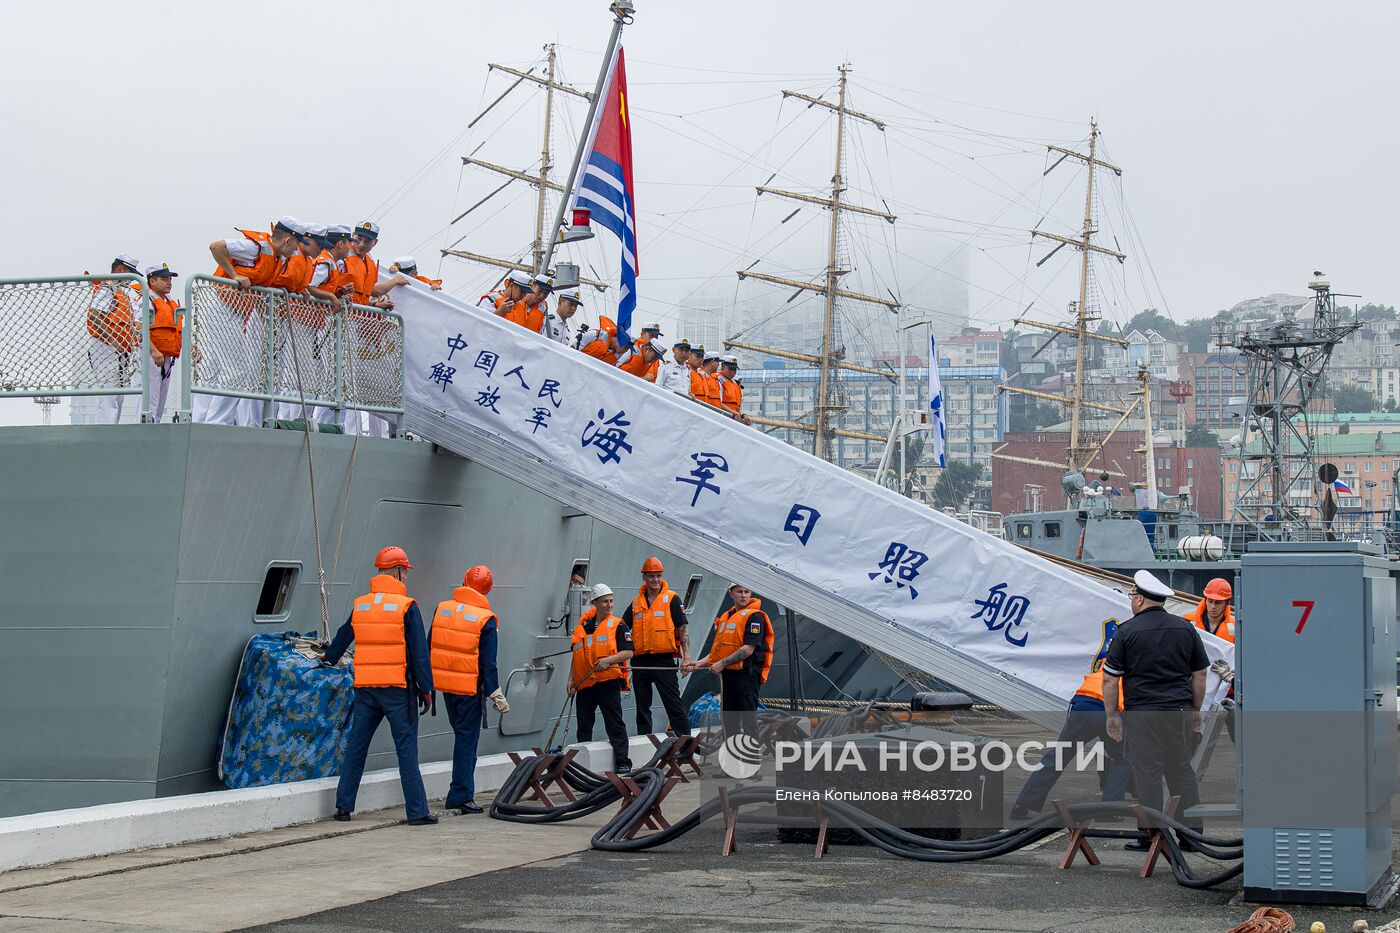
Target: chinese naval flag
[(605, 184)]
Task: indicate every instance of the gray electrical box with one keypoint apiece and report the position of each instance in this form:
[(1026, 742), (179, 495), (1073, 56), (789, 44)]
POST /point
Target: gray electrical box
[(1317, 736)]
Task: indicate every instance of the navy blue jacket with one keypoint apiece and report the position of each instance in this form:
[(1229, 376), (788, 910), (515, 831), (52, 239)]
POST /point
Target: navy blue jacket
[(420, 672)]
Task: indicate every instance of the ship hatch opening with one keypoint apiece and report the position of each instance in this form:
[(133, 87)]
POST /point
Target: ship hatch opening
[(276, 591), (692, 589)]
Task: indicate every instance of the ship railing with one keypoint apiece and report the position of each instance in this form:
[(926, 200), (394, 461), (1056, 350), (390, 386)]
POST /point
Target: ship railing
[(75, 335), (270, 346)]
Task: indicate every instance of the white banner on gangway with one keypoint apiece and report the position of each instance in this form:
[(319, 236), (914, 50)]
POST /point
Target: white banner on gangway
[(922, 571)]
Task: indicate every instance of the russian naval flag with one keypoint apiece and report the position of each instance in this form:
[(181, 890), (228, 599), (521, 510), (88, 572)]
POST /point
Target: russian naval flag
[(605, 184)]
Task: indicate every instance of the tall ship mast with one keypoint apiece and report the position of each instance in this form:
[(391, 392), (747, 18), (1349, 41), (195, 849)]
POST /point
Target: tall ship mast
[(540, 180), (1078, 454), (830, 403)]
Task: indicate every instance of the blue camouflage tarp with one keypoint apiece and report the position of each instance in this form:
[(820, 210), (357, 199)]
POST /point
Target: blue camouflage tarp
[(288, 716)]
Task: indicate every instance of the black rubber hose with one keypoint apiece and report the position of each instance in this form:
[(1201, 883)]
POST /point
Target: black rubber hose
[(612, 836)]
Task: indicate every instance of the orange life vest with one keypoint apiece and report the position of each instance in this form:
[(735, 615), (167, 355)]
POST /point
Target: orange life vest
[(295, 273), (712, 394), (381, 650), (1197, 617), (264, 269), (364, 274), (633, 364), (336, 278), (653, 632), (167, 324), (116, 326), (729, 637), (456, 640), (600, 348), (731, 394), (436, 283), (1093, 685), (697, 384), (589, 649)]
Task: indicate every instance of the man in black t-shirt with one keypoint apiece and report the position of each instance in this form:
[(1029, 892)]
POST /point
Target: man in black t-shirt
[(1161, 663)]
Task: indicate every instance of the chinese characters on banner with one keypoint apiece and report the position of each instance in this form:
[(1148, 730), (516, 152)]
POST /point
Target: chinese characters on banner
[(888, 559)]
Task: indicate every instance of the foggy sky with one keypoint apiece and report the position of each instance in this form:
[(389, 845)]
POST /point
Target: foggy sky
[(1258, 139)]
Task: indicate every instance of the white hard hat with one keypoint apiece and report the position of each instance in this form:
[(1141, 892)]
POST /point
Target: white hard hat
[(599, 591)]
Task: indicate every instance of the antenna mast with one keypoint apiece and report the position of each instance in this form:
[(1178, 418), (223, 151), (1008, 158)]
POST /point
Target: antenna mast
[(1286, 363), (831, 359)]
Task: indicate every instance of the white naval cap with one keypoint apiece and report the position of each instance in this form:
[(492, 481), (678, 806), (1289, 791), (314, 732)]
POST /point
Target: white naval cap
[(128, 260), (367, 229), (291, 225), (1150, 586), (544, 282), (599, 591), (316, 230), (162, 269), (654, 327), (519, 278), (657, 347), (406, 262), (729, 360), (338, 230), (570, 294)]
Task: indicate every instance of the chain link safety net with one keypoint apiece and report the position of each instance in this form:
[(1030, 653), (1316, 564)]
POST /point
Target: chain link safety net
[(306, 341), (230, 336), (76, 335), (373, 369)]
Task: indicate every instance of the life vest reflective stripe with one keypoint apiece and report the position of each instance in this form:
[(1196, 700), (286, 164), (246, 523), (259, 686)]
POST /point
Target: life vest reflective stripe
[(731, 395), (167, 324), (589, 649), (600, 347), (729, 637), (264, 269), (1198, 618), (381, 650), (364, 274), (116, 326), (653, 632), (456, 641)]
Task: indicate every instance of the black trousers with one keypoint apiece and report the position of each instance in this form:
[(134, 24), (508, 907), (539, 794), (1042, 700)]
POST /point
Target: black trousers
[(667, 684), (1159, 744), (738, 701), (606, 697)]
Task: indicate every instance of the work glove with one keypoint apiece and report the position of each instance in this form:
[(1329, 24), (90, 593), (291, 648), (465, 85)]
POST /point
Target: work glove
[(424, 701), (498, 700), (1222, 670)]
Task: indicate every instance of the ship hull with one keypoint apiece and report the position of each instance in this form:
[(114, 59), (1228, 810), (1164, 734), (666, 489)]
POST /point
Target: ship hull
[(136, 555)]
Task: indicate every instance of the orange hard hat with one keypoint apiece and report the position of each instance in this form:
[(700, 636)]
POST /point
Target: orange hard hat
[(391, 557), (478, 578), (653, 565), (1219, 588)]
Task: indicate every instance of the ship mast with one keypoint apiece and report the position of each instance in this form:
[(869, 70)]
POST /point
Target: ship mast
[(1077, 456), (541, 181), (832, 358)]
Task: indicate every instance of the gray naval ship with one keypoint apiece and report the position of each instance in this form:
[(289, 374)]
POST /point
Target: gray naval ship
[(141, 557)]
